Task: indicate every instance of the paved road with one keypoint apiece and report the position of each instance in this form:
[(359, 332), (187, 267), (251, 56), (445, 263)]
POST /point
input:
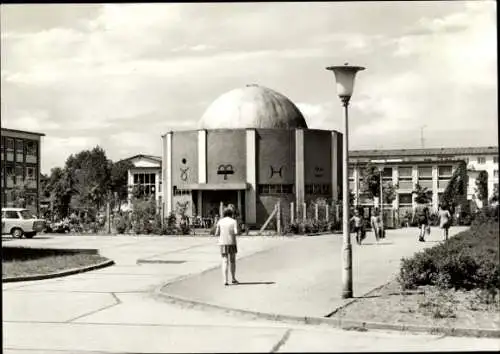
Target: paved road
[(112, 310)]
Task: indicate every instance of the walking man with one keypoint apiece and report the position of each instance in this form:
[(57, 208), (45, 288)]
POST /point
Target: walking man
[(421, 216), (227, 229), (357, 222)]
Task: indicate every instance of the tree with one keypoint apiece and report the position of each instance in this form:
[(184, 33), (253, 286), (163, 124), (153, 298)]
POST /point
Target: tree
[(90, 172), (455, 192), (119, 179), (423, 194), (494, 197), (482, 187), (370, 184)]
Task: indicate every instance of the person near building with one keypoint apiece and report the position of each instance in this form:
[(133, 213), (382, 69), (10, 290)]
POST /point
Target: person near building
[(357, 223), (444, 220), (421, 217), (227, 230), (376, 224)]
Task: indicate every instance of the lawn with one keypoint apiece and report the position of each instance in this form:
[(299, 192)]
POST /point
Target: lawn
[(49, 264), (426, 306), (454, 285)]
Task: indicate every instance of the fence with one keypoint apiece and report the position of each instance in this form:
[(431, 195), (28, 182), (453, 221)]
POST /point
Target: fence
[(322, 216)]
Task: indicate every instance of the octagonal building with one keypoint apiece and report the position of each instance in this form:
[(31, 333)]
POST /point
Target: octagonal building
[(252, 149)]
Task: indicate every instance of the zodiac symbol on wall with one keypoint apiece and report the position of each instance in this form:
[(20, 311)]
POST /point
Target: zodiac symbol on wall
[(182, 207), (275, 171), (184, 171), (225, 170), (318, 171)]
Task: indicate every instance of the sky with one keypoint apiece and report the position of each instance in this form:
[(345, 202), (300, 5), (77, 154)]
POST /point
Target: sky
[(121, 75)]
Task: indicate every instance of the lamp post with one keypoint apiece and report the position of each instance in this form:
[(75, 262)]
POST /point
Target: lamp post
[(380, 170), (344, 76)]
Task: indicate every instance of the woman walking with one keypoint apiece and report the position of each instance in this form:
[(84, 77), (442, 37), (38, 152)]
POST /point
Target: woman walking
[(444, 220), (376, 224), (227, 229)]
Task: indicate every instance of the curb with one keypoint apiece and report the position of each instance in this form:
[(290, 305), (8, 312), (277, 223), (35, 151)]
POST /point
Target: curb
[(59, 274), (337, 323)]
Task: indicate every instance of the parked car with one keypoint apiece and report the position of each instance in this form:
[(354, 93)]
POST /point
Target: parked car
[(21, 222)]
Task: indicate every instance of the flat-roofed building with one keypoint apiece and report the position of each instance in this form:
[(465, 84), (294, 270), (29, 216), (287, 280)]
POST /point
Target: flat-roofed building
[(431, 168), (21, 164)]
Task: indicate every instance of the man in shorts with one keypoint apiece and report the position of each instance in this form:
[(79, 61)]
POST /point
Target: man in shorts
[(227, 229)]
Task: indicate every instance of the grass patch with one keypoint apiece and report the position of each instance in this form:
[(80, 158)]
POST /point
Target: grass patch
[(429, 306), (48, 264)]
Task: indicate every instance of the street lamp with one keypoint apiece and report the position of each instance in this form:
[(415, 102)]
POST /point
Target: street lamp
[(380, 170), (344, 76)]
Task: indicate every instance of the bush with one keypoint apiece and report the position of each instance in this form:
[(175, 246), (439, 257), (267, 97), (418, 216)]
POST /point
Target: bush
[(467, 261)]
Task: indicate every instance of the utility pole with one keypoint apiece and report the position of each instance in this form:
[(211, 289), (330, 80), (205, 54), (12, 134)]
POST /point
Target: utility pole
[(422, 140)]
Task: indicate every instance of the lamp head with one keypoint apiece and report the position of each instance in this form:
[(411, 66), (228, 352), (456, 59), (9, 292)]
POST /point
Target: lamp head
[(344, 75)]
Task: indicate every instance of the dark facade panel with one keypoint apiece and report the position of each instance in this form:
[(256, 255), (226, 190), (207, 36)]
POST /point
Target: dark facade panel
[(275, 156), (226, 151), (317, 157)]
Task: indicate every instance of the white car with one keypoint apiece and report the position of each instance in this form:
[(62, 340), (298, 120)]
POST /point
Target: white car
[(21, 222)]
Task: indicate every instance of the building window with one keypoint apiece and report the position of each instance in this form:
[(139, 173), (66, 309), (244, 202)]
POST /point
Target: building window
[(445, 171), (9, 171), (495, 173), (481, 160), (495, 159), (425, 173), (387, 174), (181, 191), (275, 188), (145, 183), (316, 188), (31, 151), (405, 180), (19, 175), (10, 144), (2, 149), (19, 150), (405, 199)]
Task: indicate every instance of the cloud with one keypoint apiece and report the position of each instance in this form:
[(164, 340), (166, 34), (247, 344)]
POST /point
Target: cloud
[(135, 71), (52, 147)]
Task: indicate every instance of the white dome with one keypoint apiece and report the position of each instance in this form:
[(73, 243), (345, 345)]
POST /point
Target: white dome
[(252, 106)]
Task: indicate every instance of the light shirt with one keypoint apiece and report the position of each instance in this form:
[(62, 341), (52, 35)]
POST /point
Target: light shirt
[(226, 229), (357, 220), (376, 222)]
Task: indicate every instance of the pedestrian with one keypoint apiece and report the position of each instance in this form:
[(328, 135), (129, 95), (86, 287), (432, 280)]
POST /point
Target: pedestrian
[(421, 217), (376, 224), (357, 221), (444, 220), (227, 229)]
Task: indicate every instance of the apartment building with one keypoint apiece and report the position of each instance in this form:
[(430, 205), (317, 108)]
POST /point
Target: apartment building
[(21, 163), (431, 168)]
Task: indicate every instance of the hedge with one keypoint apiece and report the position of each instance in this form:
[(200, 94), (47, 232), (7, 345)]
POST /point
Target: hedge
[(470, 260)]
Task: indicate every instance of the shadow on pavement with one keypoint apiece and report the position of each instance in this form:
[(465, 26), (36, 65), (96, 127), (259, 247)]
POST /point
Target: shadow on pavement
[(255, 283), (376, 243)]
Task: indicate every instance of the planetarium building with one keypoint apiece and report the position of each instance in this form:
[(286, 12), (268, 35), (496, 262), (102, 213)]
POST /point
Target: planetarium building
[(252, 149)]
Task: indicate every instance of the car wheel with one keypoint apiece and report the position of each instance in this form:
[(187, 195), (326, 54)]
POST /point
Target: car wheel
[(17, 233), (29, 234)]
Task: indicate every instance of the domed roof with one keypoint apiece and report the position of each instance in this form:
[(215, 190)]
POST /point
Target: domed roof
[(252, 106)]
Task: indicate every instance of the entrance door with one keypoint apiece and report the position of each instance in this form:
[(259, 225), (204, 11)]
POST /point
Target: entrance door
[(212, 200)]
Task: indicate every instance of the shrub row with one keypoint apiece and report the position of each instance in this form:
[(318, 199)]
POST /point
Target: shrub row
[(467, 261)]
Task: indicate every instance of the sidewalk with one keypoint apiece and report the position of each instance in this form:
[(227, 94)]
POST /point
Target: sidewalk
[(302, 277), (112, 310)]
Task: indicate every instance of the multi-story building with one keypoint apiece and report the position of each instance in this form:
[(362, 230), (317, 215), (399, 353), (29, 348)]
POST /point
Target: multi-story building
[(431, 168), (20, 156)]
